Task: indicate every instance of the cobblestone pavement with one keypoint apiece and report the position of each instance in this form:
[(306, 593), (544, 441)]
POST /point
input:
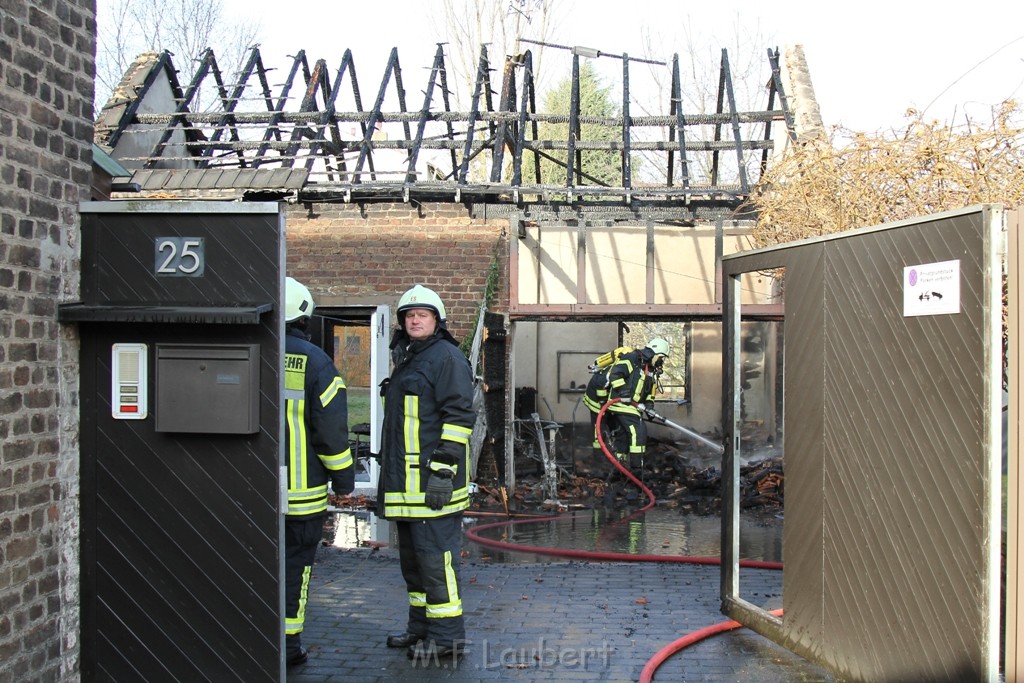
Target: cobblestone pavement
[(549, 621)]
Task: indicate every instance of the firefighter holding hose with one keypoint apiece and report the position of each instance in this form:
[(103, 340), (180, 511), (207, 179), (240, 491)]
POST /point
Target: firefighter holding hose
[(622, 380), (633, 380)]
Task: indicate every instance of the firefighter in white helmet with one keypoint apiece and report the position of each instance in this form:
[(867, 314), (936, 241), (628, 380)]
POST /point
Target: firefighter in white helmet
[(633, 379), (424, 481), (316, 435)]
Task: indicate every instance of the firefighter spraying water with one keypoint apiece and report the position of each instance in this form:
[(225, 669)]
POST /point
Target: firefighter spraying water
[(658, 419), (631, 377), (624, 380)]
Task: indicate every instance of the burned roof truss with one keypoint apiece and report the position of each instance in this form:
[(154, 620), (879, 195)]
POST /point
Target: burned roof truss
[(325, 144)]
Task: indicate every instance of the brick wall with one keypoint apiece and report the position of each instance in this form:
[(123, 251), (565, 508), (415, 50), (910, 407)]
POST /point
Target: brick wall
[(46, 91), (350, 254)]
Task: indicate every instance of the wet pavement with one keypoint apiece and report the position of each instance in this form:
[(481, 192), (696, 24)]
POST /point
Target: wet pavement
[(536, 618)]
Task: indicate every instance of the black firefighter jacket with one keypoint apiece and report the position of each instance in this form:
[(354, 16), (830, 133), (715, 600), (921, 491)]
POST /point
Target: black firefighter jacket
[(632, 381), (316, 427), (428, 420)]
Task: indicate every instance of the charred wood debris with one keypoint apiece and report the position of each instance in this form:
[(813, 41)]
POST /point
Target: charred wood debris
[(682, 476)]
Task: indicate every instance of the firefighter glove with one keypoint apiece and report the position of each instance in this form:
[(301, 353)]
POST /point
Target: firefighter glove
[(343, 482), (439, 491)]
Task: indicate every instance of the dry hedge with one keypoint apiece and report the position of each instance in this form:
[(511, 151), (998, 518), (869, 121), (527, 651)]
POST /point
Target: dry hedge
[(853, 179)]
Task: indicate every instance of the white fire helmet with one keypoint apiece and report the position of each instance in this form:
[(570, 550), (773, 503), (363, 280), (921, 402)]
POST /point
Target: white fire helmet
[(659, 346), (298, 302), (421, 297)]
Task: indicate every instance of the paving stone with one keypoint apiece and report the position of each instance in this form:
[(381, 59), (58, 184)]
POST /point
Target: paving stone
[(542, 621)]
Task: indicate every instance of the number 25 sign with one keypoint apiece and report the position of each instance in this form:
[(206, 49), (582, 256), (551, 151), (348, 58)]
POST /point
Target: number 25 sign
[(180, 256)]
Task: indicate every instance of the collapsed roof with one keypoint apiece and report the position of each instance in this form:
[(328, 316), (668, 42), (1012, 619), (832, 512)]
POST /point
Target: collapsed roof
[(327, 145)]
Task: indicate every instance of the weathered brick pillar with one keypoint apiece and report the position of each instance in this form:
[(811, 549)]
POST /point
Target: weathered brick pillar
[(47, 50)]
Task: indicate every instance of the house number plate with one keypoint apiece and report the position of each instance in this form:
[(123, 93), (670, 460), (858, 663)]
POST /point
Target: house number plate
[(180, 256)]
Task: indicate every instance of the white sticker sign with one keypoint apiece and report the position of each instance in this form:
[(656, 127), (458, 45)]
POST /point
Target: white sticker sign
[(931, 288)]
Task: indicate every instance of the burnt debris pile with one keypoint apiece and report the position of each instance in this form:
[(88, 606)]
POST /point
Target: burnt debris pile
[(680, 476)]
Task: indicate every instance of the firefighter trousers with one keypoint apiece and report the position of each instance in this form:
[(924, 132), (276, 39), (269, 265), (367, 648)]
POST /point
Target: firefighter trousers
[(302, 536), (632, 437), (430, 551)]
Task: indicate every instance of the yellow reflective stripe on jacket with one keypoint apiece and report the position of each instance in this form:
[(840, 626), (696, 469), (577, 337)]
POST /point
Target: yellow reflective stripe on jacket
[(453, 607), (337, 462), (624, 408), (307, 501), (413, 504), (450, 432), (299, 494), (628, 365), (412, 476), (442, 467), (617, 382), (297, 448), (638, 394), (310, 508), (295, 408), (412, 424), (304, 509), (423, 512), (419, 497), (331, 391)]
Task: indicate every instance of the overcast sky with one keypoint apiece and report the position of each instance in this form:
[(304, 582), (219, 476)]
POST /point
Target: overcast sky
[(869, 61)]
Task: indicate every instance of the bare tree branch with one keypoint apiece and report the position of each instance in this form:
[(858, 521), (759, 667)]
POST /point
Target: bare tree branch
[(500, 24), (699, 64), (127, 28)]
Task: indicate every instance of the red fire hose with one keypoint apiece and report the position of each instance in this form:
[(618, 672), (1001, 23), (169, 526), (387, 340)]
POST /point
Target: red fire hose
[(662, 655), (473, 534)]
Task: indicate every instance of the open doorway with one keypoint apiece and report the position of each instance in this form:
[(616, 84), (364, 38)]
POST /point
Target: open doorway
[(356, 337)]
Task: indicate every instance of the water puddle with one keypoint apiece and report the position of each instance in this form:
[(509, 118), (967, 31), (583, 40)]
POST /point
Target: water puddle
[(356, 529), (659, 531)]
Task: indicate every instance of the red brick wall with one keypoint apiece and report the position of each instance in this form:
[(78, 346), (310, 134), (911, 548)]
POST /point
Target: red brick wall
[(46, 90), (371, 254)]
